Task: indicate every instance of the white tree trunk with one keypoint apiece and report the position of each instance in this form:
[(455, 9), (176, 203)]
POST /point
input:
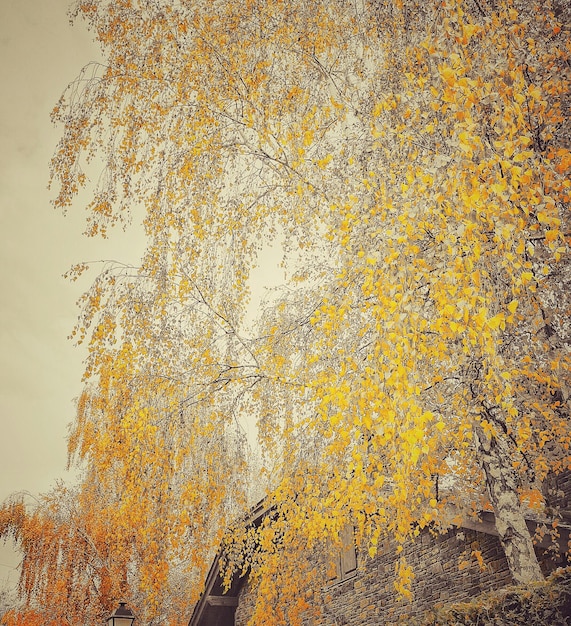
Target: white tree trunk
[(501, 481)]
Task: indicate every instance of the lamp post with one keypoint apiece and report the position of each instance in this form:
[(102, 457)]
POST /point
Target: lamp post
[(123, 616)]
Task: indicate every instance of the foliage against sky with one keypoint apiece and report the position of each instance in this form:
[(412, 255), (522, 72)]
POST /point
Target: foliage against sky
[(412, 162)]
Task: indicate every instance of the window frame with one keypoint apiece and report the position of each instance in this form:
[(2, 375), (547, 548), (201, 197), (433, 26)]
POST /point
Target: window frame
[(345, 560)]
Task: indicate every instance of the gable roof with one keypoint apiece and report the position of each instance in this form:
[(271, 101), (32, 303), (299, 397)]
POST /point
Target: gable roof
[(217, 606)]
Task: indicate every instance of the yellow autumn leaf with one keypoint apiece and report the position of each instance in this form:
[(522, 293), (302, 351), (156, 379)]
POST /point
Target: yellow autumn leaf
[(522, 156), (325, 161), (378, 109), (534, 92), (551, 235), (498, 321), (448, 75), (308, 137)]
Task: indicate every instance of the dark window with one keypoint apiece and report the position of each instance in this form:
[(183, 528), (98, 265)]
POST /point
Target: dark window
[(344, 560)]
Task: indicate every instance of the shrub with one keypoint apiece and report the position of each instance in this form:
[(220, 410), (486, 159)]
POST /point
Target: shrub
[(537, 604)]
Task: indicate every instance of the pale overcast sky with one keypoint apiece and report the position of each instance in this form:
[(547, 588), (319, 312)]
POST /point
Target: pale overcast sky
[(40, 370)]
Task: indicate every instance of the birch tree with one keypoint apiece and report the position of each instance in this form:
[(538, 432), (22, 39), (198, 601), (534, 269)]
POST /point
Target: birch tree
[(411, 160)]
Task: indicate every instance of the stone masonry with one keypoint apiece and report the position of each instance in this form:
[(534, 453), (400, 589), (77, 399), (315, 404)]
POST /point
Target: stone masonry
[(446, 570)]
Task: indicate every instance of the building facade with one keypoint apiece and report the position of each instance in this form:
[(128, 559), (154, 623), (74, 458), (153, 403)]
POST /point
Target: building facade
[(448, 567)]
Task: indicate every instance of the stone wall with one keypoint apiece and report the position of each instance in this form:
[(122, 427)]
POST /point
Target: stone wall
[(557, 494), (446, 567), (245, 606), (446, 570)]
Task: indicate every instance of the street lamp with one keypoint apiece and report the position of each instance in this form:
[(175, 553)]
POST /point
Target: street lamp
[(123, 616)]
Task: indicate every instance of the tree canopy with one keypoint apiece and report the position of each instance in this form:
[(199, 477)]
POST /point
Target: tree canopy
[(411, 161)]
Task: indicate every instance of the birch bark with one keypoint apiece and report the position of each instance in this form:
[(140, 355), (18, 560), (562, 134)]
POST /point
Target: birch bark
[(502, 485)]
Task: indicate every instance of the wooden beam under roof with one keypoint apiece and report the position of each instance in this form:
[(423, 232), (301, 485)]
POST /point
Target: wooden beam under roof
[(222, 600)]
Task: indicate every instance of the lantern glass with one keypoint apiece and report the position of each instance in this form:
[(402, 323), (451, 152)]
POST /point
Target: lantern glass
[(121, 617)]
